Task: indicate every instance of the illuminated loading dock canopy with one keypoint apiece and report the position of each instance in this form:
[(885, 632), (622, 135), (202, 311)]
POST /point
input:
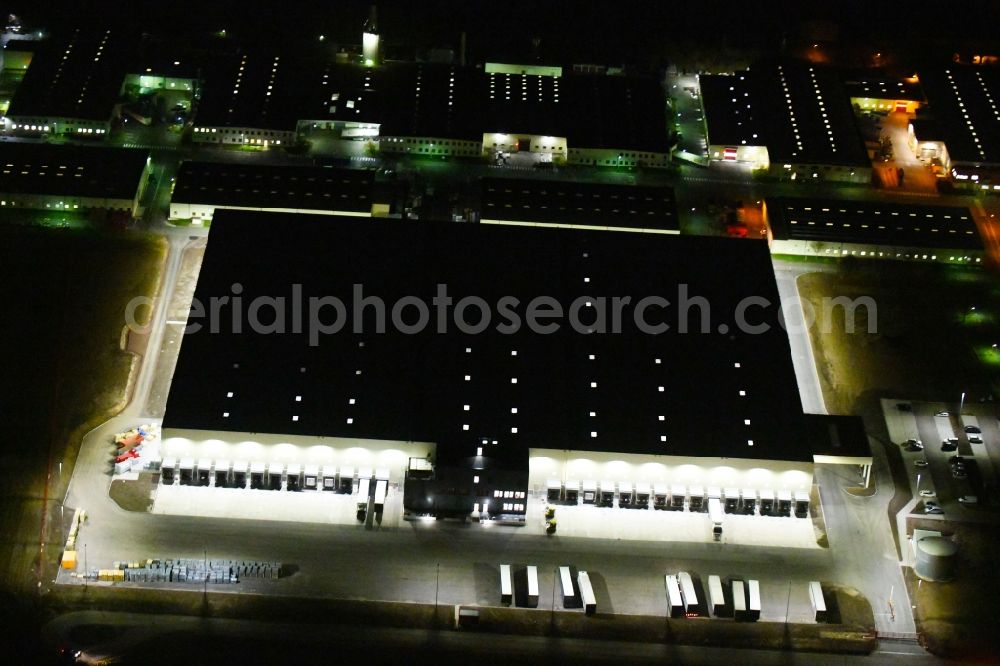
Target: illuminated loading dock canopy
[(487, 399), (890, 231)]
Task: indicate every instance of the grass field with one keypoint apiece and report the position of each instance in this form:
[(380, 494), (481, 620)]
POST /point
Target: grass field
[(927, 343), (64, 293)]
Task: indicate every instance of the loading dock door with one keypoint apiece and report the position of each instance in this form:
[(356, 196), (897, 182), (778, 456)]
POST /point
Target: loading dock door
[(221, 474), (240, 468)]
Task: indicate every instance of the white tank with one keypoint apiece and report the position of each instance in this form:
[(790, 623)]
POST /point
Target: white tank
[(936, 558)]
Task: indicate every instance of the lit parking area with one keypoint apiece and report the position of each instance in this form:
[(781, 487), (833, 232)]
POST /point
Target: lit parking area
[(688, 117), (930, 437)]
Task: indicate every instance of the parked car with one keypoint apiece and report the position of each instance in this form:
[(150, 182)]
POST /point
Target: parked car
[(933, 508), (920, 462), (941, 414), (904, 406), (968, 500), (913, 445), (928, 493), (974, 438), (948, 445), (972, 428)]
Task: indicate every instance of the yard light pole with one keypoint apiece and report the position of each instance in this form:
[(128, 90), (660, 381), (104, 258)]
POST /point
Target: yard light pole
[(552, 608), (961, 406), (788, 604)]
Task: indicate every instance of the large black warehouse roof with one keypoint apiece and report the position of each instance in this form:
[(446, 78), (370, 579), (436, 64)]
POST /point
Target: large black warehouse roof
[(71, 171), (844, 221), (730, 394)]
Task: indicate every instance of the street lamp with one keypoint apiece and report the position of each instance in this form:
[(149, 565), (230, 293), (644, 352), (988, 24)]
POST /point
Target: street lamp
[(552, 608), (788, 604)]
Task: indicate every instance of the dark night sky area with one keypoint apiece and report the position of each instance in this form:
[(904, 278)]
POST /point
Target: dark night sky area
[(570, 30)]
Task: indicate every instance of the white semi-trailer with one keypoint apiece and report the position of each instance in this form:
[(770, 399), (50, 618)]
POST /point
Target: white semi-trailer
[(688, 593), (674, 600), (532, 573), (586, 593), (716, 600), (739, 601), (566, 580), (818, 602), (753, 600), (506, 585)]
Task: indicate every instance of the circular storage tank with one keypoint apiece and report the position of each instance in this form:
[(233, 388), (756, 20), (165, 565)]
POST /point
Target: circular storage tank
[(936, 559)]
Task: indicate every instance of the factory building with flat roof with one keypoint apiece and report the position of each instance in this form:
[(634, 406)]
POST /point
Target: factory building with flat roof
[(486, 366), (71, 86), (201, 188), (534, 203), (961, 131), (436, 110), (66, 177), (840, 227), (791, 119)]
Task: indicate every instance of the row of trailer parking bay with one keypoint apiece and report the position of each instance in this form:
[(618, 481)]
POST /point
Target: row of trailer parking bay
[(626, 495), (274, 476), (736, 598)]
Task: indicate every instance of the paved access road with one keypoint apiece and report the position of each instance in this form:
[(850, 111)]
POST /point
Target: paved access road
[(165, 639)]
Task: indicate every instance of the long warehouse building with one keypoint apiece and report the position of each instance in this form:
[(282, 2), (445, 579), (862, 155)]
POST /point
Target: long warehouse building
[(64, 177), (839, 227), (202, 188), (574, 367)]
